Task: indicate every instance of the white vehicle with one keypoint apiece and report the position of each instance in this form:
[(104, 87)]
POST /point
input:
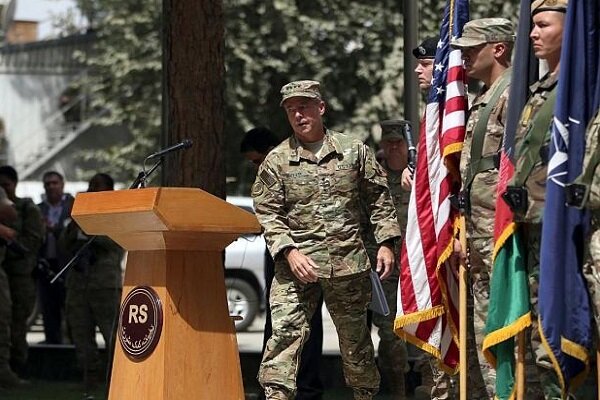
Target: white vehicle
[(244, 272)]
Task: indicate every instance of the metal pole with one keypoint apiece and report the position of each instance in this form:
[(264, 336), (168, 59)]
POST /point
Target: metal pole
[(462, 337), (165, 39), (411, 88), (521, 365)]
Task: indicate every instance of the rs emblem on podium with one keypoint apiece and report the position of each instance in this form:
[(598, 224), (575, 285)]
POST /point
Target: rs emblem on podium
[(140, 323)]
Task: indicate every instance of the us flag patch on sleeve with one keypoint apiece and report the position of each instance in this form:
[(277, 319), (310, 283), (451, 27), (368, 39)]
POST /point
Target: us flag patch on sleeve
[(267, 178)]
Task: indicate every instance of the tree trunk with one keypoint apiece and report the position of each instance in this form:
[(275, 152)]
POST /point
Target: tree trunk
[(193, 87)]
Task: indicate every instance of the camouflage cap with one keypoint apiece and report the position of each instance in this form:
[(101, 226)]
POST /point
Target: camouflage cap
[(485, 30), (303, 88), (392, 129), (426, 49), (548, 5)]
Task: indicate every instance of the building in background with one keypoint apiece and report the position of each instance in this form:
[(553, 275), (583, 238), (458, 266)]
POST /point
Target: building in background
[(45, 116)]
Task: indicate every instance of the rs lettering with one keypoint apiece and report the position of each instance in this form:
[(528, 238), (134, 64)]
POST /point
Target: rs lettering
[(139, 315)]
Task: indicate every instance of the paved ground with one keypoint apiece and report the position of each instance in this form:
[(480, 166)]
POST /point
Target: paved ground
[(248, 342), (251, 340)]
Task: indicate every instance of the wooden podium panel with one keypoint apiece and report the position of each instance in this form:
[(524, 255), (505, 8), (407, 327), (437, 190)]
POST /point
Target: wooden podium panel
[(175, 238)]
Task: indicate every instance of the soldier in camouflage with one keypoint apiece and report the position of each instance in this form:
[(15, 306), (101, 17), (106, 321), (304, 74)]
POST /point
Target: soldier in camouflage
[(392, 353), (8, 214), (486, 46), (528, 186), (94, 287), (308, 196), (589, 198), (19, 261)]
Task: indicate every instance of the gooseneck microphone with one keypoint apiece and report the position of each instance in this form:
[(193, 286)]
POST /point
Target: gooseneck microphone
[(412, 150), (186, 144)]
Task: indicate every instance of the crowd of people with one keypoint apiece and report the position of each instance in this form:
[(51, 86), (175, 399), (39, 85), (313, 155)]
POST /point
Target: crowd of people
[(332, 211), (37, 241)]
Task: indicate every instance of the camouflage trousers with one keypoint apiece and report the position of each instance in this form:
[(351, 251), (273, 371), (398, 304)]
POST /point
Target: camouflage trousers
[(22, 294), (591, 272), (447, 386), (293, 304), (86, 309), (540, 379), (392, 356), (480, 263)]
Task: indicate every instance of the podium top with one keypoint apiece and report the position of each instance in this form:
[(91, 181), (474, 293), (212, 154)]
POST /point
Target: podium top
[(159, 210)]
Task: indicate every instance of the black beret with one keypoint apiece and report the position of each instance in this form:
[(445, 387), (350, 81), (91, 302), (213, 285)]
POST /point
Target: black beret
[(426, 49)]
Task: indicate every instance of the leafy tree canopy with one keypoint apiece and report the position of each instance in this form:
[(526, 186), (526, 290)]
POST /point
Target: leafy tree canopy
[(353, 47)]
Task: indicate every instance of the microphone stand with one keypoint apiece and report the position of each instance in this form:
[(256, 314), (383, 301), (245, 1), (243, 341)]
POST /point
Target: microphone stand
[(139, 182)]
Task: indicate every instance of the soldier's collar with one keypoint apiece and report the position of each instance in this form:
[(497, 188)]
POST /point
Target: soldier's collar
[(548, 81), (330, 144), (486, 95)]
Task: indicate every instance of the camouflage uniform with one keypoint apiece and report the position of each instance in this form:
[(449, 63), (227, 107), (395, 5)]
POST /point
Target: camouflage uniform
[(314, 205), (591, 267), (480, 218), (392, 353), (7, 376), (19, 268), (94, 287), (530, 224), (479, 181)]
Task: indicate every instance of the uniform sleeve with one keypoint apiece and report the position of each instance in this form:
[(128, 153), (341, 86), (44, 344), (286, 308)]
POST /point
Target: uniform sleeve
[(375, 195), (33, 231), (269, 204)]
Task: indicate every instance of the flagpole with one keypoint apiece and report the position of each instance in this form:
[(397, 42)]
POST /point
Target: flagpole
[(462, 337), (521, 365), (598, 371)]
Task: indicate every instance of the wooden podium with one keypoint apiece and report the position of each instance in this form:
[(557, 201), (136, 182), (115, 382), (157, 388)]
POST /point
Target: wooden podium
[(174, 238)]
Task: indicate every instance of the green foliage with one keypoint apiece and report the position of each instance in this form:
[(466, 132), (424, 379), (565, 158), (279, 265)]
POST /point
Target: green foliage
[(125, 78), (353, 47)]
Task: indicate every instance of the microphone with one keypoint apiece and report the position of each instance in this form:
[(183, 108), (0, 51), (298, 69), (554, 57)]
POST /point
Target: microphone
[(186, 144), (412, 150)]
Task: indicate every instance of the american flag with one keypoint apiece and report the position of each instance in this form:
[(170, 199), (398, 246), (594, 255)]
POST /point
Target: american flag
[(427, 313)]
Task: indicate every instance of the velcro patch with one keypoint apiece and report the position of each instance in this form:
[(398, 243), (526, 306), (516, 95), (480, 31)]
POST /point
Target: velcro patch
[(267, 178)]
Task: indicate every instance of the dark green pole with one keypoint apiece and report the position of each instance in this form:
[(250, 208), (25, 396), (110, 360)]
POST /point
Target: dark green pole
[(411, 87)]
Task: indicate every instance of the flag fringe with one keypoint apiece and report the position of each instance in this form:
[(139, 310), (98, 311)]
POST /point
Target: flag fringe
[(573, 350), (502, 238), (503, 334), (415, 318), (452, 148), (579, 352), (512, 395), (555, 364), (429, 349)]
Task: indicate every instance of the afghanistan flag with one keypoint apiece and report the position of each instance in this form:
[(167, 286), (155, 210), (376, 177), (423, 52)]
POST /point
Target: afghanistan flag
[(508, 312)]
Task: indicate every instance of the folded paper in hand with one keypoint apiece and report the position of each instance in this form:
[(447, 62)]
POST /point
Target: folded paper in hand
[(378, 301)]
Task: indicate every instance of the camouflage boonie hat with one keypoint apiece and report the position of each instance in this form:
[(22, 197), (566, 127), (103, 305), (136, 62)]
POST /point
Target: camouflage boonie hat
[(392, 129), (304, 88), (485, 30), (548, 5), (426, 49)]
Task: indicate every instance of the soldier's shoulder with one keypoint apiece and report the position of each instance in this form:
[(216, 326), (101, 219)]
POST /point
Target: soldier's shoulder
[(279, 152), (345, 140)]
